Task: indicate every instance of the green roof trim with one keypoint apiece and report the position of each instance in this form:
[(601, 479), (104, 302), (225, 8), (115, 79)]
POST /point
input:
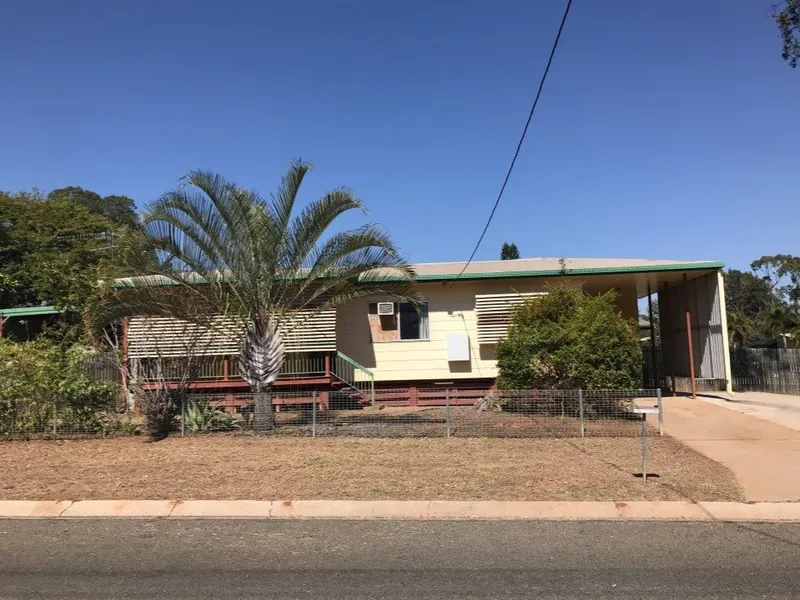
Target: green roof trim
[(30, 311), (695, 266)]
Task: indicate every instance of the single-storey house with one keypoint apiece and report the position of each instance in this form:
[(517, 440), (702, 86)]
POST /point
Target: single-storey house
[(383, 349)]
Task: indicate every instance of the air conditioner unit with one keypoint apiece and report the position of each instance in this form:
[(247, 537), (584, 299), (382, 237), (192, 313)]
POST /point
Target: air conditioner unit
[(385, 308)]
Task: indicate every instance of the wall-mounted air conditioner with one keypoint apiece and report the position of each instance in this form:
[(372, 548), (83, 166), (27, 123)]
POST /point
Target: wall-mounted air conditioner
[(385, 308)]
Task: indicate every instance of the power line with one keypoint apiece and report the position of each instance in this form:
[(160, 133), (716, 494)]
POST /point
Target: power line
[(521, 139)]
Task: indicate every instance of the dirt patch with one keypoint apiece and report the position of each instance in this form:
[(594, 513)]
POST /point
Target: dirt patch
[(245, 467)]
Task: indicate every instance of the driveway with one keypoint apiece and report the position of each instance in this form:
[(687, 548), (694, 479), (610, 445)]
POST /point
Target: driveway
[(764, 456)]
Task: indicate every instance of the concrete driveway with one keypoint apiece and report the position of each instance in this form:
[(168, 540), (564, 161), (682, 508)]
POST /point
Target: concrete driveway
[(764, 456)]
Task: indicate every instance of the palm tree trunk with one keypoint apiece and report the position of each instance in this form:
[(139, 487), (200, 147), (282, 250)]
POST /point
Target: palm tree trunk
[(260, 363), (264, 415)]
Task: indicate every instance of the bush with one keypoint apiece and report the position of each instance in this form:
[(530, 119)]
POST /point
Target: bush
[(570, 340), (40, 380), (201, 417)]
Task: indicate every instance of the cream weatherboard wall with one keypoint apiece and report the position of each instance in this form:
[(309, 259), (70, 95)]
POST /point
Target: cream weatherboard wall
[(451, 310)]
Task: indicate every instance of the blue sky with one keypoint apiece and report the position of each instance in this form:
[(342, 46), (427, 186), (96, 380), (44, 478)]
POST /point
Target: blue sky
[(666, 129)]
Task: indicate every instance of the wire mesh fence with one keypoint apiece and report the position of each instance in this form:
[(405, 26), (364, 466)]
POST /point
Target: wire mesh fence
[(57, 420), (435, 413), (324, 413)]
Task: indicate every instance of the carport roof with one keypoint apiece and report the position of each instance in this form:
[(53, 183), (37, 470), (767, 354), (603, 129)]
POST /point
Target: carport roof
[(553, 267), (29, 311)]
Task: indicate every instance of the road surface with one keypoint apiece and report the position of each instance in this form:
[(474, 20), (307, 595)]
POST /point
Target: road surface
[(239, 559)]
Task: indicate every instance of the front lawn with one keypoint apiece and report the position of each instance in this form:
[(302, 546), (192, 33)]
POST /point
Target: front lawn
[(245, 467)]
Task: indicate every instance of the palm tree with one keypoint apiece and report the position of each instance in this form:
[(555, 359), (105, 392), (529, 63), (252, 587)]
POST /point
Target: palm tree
[(740, 329), (780, 319), (238, 254)]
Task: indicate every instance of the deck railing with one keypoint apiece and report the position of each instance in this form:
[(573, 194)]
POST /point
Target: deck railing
[(224, 368)]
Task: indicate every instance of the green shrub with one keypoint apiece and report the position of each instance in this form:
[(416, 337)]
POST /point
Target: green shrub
[(202, 417), (42, 383), (569, 340)]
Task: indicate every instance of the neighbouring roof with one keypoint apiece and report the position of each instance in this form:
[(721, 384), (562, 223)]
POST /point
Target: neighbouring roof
[(552, 267), (30, 311)]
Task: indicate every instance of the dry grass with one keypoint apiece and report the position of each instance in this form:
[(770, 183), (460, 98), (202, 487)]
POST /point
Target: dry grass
[(243, 467)]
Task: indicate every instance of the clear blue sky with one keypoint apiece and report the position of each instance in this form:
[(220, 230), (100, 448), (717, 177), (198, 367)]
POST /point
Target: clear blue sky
[(666, 130)]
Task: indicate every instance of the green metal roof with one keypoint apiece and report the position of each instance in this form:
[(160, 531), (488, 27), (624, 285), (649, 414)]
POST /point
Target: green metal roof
[(467, 276), (692, 266), (30, 311)]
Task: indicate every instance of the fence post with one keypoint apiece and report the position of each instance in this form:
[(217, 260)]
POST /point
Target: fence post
[(644, 448), (55, 419), (314, 415), (447, 412), (660, 414), (183, 415), (580, 410)]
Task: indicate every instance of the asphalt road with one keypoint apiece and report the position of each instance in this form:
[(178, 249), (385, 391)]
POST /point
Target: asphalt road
[(239, 559)]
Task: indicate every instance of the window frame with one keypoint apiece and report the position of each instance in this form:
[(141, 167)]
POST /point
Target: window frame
[(424, 324)]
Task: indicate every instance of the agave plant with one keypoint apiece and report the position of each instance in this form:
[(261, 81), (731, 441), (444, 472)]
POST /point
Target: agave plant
[(202, 417), (226, 250)]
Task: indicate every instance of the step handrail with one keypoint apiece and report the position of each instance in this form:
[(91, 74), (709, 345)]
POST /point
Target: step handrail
[(356, 367)]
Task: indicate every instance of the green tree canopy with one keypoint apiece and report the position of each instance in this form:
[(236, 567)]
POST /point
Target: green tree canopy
[(569, 340), (787, 17), (509, 251), (746, 294), (119, 210), (763, 303), (782, 273), (49, 250)]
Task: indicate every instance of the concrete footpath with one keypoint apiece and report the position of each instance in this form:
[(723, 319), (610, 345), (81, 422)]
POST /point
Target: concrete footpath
[(781, 409), (405, 510), (764, 456)]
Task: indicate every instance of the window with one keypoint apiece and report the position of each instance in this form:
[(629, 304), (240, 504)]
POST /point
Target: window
[(409, 322), (413, 321)]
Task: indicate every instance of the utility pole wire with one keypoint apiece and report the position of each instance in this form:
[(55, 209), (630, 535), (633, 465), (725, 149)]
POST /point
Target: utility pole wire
[(521, 140)]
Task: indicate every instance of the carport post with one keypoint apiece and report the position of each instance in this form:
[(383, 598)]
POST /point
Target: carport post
[(653, 373), (691, 353)]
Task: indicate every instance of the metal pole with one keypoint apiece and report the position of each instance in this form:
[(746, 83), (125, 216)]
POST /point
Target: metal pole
[(644, 448), (447, 412), (660, 414), (653, 373), (314, 416), (580, 409), (55, 419), (691, 353), (183, 415)]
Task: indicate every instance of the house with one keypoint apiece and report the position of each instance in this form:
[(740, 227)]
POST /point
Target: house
[(25, 323), (379, 349)]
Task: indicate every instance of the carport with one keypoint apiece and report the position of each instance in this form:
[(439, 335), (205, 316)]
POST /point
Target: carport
[(681, 288), (690, 300)]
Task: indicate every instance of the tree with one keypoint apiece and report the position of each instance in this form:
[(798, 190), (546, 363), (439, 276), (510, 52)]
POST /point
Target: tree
[(253, 260), (782, 273), (49, 250), (569, 340), (509, 251), (120, 210), (787, 17), (741, 329), (746, 294)]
